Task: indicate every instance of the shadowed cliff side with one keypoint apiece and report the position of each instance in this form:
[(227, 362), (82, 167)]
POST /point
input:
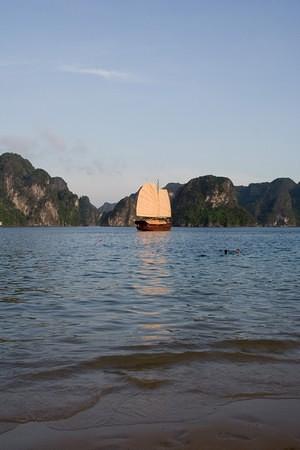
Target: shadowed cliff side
[(88, 213), (295, 194), (271, 204), (123, 213)]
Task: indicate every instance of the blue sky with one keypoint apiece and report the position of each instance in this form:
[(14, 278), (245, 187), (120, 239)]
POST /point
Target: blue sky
[(110, 94)]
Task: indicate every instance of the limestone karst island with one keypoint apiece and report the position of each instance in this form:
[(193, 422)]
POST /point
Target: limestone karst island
[(30, 196)]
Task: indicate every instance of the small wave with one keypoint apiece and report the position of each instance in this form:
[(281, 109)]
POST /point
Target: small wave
[(254, 395), (52, 409), (156, 348), (146, 383), (146, 361), (6, 427), (254, 345)]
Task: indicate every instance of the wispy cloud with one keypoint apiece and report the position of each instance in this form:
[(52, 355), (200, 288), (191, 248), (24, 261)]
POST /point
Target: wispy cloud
[(106, 74), (18, 144), (46, 141), (14, 63), (53, 141), (99, 72), (55, 150)]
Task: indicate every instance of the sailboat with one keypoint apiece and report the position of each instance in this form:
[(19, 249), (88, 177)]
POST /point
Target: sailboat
[(153, 209)]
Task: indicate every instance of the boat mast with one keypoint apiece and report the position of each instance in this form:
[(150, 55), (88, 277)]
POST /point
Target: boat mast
[(158, 208)]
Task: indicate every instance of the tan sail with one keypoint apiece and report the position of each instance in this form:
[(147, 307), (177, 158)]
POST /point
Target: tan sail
[(153, 202), (164, 203), (147, 202)]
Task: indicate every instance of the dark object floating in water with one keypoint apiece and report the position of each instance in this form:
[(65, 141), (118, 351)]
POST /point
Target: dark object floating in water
[(232, 252)]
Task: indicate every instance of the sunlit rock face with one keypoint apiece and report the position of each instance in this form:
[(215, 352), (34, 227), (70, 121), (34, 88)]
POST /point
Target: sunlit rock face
[(29, 196)]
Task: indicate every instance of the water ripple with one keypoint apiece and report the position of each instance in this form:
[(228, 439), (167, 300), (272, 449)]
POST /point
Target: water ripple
[(80, 304)]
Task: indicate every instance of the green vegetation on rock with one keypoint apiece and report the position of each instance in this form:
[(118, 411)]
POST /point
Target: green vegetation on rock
[(208, 201)]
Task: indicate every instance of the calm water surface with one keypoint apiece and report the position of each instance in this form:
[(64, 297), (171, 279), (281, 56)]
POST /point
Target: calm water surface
[(127, 327)]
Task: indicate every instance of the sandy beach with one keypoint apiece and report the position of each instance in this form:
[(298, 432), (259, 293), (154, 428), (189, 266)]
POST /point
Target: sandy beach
[(258, 424)]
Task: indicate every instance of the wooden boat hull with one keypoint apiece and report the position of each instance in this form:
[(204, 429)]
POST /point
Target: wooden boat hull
[(143, 225)]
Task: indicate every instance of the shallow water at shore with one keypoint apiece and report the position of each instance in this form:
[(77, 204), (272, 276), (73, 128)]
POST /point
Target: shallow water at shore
[(128, 328)]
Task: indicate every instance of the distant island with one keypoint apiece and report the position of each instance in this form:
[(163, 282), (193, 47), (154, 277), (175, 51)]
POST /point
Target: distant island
[(31, 197)]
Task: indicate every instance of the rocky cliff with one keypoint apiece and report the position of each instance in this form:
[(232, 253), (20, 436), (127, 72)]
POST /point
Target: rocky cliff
[(296, 203), (88, 213), (30, 196), (122, 215), (104, 210), (208, 201), (271, 204)]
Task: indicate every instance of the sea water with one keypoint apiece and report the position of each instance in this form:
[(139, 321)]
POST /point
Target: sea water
[(126, 327)]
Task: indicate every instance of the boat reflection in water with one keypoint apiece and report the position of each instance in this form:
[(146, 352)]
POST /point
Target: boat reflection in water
[(151, 284)]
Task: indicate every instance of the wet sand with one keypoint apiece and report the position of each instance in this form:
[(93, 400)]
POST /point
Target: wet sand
[(260, 424)]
